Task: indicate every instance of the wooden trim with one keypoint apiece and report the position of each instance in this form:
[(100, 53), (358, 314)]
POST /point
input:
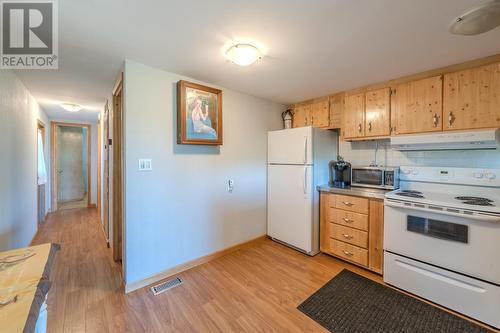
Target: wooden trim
[(188, 265), (368, 138), (117, 88), (92, 205), (181, 112), (117, 144), (99, 153), (53, 164)]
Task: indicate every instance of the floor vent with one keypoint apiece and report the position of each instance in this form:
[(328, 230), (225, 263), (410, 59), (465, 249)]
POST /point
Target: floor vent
[(164, 286)]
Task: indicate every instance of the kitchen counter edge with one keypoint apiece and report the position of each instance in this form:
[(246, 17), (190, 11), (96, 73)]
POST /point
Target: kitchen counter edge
[(355, 191)]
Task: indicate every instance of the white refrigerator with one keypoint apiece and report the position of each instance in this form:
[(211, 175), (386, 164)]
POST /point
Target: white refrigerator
[(297, 162)]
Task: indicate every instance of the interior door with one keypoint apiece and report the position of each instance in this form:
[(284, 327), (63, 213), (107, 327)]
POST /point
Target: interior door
[(354, 116), (417, 106), (290, 146), (70, 164), (471, 98), (290, 191), (377, 112)]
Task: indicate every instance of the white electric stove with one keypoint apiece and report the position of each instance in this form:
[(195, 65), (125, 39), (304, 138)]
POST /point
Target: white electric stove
[(442, 238)]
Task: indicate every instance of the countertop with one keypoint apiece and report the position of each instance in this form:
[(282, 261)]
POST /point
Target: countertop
[(356, 191)]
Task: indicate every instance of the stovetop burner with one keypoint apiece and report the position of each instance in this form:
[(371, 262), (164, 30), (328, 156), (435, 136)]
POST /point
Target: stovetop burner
[(412, 191), (474, 199), (411, 194), (478, 202)]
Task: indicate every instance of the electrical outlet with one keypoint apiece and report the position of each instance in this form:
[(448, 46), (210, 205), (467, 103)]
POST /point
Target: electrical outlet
[(145, 165), (230, 185)]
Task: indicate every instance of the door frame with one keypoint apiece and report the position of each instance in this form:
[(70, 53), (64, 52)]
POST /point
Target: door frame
[(40, 126), (105, 173), (99, 152), (117, 145), (53, 162)]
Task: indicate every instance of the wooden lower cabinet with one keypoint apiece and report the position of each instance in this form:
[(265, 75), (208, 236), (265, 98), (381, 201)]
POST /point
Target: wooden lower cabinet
[(353, 232)]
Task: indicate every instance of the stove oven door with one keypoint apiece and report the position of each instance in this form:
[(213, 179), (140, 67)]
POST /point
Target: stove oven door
[(459, 244)]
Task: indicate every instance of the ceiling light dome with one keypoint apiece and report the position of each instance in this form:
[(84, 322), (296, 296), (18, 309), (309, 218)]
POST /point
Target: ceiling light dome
[(243, 54), (478, 20), (71, 107)]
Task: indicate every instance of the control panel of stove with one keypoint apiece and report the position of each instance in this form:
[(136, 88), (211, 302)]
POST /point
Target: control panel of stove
[(463, 176)]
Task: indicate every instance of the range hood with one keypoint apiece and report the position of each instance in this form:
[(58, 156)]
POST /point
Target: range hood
[(463, 140)]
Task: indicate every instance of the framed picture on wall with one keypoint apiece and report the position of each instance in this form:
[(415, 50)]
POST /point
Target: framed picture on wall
[(199, 114)]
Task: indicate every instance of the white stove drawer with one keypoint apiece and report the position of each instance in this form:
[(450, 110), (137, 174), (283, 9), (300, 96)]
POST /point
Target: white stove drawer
[(471, 297)]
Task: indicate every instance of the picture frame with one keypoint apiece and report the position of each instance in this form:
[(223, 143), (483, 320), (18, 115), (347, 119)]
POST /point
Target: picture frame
[(199, 114)]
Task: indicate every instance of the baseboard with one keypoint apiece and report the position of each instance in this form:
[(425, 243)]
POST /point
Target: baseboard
[(92, 205), (188, 265)]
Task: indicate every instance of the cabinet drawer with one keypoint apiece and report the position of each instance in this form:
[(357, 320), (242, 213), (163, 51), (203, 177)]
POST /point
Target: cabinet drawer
[(349, 252), (349, 219), (349, 235), (353, 204)]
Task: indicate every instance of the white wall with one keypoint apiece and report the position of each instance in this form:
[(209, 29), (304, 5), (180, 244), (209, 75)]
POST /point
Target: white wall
[(362, 153), (19, 113), (181, 210), (93, 153)]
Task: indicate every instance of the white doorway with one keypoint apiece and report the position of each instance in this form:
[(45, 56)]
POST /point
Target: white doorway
[(71, 166)]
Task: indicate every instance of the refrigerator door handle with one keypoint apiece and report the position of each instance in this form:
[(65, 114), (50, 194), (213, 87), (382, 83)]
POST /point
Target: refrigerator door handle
[(305, 150), (305, 180)]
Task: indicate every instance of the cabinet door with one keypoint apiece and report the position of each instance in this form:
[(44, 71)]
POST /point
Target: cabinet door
[(471, 98), (417, 106), (376, 236), (336, 110), (377, 112), (301, 116), (320, 116), (353, 119)]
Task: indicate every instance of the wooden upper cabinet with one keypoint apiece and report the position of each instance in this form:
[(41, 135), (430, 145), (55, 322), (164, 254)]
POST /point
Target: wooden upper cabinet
[(336, 110), (377, 112), (417, 106), (471, 98), (353, 118), (302, 116), (320, 116)]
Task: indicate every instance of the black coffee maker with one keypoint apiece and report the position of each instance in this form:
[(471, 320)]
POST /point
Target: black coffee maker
[(340, 173)]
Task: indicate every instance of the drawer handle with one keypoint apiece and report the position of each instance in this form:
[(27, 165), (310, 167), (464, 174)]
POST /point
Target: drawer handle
[(347, 203), (347, 253), (347, 220), (347, 236)]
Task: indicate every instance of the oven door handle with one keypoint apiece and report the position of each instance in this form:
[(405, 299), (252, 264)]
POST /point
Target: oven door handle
[(476, 216)]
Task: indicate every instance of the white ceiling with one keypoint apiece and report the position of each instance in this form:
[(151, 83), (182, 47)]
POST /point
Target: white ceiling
[(312, 48)]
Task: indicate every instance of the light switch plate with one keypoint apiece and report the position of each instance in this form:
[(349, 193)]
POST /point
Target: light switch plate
[(145, 165)]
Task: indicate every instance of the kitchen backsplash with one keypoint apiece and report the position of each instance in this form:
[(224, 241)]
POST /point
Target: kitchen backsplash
[(363, 153)]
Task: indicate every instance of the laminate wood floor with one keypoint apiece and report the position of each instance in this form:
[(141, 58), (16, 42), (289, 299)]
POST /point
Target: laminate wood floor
[(255, 289)]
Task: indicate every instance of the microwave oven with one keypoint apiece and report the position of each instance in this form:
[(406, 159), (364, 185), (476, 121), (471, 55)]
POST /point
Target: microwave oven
[(386, 178)]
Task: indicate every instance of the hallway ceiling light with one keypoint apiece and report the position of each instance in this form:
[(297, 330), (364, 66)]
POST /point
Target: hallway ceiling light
[(71, 107), (478, 20), (243, 54)]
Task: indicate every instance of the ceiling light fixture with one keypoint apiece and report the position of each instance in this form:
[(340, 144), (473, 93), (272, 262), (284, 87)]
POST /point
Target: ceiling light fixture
[(71, 107), (477, 20), (243, 54)]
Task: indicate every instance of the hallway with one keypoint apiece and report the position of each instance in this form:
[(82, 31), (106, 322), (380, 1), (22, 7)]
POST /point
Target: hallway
[(84, 275)]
